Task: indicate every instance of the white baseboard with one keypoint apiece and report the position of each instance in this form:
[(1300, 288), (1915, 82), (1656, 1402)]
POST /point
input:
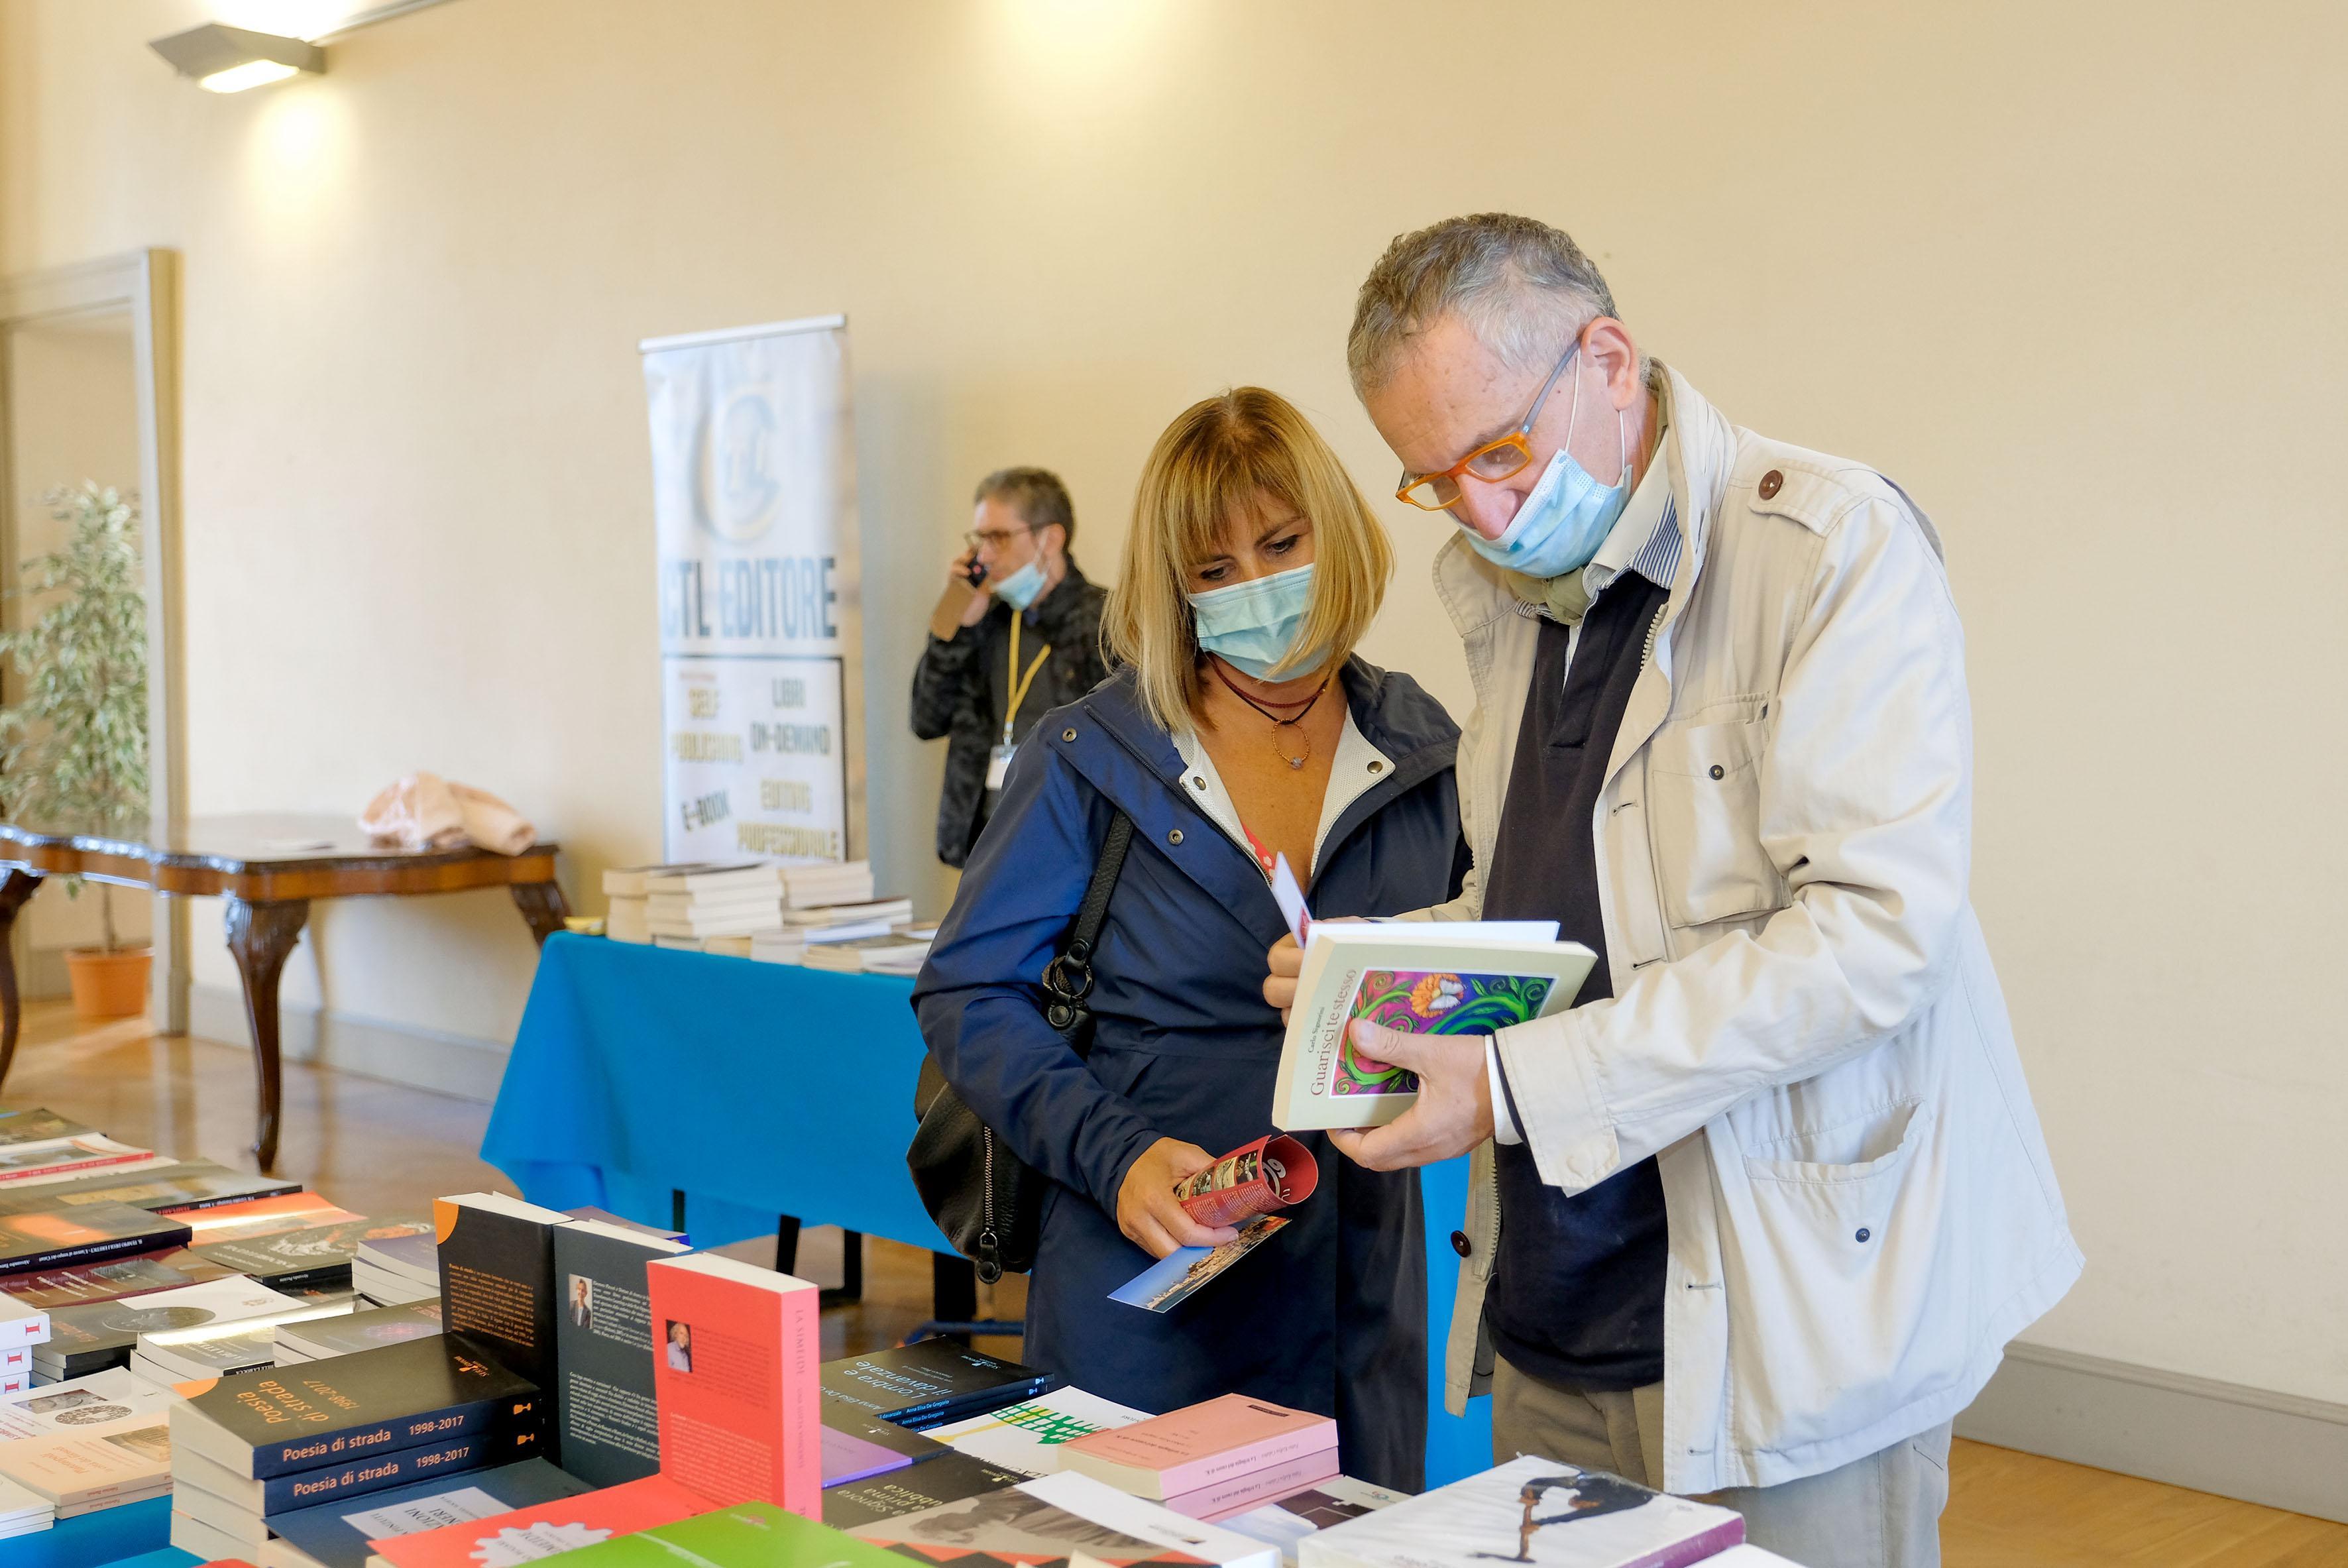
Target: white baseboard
[(2272, 1449), (454, 1065)]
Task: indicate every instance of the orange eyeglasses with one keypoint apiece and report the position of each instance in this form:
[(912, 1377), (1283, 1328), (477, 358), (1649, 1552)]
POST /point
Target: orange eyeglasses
[(1492, 461)]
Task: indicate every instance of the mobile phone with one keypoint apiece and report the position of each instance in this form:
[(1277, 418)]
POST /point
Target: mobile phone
[(976, 575)]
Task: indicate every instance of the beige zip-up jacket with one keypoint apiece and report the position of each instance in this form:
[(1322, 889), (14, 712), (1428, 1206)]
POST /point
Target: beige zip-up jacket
[(1806, 1027)]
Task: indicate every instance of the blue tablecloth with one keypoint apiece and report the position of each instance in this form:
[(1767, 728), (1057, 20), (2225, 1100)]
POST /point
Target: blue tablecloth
[(765, 1089), (140, 1531)]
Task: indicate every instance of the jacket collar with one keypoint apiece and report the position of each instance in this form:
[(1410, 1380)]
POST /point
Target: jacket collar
[(1064, 611), (1109, 738)]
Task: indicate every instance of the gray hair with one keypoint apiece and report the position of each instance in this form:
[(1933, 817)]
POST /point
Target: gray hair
[(1520, 285), (1036, 494)]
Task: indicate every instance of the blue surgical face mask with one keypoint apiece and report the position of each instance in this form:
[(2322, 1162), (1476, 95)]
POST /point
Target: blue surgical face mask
[(1019, 589), (1566, 518), (1252, 625)]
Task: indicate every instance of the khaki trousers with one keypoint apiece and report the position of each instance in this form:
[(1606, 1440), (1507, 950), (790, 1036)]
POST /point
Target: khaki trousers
[(1880, 1511)]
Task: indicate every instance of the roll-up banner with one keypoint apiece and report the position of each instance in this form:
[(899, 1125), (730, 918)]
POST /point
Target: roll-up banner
[(754, 504)]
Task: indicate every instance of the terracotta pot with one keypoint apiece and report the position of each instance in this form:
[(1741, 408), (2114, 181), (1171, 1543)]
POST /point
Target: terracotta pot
[(109, 984)]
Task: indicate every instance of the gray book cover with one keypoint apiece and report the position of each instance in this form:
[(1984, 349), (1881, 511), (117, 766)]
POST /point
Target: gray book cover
[(604, 1345)]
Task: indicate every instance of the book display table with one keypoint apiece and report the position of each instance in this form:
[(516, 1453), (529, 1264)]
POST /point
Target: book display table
[(269, 868), (140, 1532), (760, 1090)]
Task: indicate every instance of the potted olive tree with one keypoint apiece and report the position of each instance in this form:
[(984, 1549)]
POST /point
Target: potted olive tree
[(73, 749)]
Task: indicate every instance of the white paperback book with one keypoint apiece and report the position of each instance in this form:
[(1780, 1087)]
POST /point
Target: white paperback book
[(1531, 1511), (23, 1511), (21, 1324), (1422, 977), (1317, 1507), (103, 1401), (1026, 1437), (112, 1464)]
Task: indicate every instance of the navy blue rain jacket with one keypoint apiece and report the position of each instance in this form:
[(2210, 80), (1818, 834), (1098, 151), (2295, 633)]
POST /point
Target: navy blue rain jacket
[(1329, 1316)]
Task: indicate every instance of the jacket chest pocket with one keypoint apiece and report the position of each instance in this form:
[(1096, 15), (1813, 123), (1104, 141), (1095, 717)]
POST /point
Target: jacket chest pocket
[(1703, 790)]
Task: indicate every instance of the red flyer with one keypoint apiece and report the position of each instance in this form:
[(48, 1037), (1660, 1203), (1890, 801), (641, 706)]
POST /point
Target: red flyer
[(1274, 1173)]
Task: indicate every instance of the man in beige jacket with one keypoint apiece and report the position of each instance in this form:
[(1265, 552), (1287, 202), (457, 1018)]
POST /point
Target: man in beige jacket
[(1758, 1215)]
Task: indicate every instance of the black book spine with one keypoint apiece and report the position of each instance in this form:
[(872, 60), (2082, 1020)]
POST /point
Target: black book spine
[(91, 1252), (511, 1415), (376, 1472)]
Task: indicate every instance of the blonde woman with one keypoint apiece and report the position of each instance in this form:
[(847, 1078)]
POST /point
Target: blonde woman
[(1242, 728)]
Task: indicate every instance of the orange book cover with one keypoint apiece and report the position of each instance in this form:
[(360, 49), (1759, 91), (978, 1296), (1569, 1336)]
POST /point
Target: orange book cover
[(735, 1378), (264, 1217), (544, 1529)]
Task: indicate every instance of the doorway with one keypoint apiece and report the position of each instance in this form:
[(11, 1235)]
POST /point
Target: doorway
[(88, 394)]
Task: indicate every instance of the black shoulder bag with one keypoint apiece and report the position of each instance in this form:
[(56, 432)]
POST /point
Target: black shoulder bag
[(987, 1200)]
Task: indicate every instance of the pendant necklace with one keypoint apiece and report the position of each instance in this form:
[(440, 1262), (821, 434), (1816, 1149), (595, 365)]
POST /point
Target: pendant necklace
[(1304, 706)]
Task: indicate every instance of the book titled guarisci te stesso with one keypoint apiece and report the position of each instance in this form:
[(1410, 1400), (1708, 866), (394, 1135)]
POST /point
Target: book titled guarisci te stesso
[(1421, 977)]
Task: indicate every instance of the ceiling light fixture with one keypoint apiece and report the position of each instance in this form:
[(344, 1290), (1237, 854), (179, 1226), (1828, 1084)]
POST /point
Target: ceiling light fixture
[(225, 60)]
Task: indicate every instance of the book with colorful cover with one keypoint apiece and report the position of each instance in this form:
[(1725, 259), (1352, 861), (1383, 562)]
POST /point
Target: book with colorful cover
[(529, 1532), (1422, 977), (1027, 1437), (268, 1216), (931, 1381), (496, 1282), (183, 1187), (38, 1124), (63, 1159), (604, 1343), (735, 1380), (103, 1401), (335, 1534), (1288, 1520), (84, 1339), (1184, 1450), (94, 1233), (847, 1459), (1062, 1520), (915, 1490), (263, 1423), (746, 1535), (1533, 1511), (85, 1284), (319, 1255), (856, 1421)]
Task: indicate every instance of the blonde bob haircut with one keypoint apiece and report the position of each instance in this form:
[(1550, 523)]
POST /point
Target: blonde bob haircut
[(1214, 467)]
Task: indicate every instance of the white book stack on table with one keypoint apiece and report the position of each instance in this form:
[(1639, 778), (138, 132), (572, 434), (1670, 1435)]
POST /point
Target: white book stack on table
[(826, 882), (87, 1408), (168, 1357), (788, 945), (1532, 1510), (23, 1512), (695, 903), (21, 1329)]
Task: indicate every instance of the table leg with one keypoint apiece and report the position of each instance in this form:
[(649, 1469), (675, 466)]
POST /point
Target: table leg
[(542, 905), (19, 885), (259, 936)]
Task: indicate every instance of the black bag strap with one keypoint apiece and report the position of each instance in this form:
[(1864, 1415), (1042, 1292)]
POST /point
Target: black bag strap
[(1068, 978)]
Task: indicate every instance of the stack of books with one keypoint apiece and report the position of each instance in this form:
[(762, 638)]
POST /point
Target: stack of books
[(21, 1329), (85, 1339), (393, 1271), (822, 883), (81, 1446), (686, 905), (932, 1383), (324, 1339), (257, 1444), (626, 917), (787, 945), (1213, 1460), (168, 1357)]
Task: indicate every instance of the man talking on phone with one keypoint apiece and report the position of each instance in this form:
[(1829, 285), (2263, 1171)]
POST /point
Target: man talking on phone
[(1016, 634)]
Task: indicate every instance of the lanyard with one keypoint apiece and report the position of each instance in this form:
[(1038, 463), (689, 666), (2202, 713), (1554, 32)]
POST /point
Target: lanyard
[(1019, 683)]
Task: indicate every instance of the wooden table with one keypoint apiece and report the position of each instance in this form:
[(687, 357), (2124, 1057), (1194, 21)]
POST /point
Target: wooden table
[(269, 868)]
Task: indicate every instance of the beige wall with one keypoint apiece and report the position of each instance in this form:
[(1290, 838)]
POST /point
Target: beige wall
[(2065, 271)]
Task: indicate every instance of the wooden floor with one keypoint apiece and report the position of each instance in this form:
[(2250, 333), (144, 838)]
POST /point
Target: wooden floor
[(384, 1149)]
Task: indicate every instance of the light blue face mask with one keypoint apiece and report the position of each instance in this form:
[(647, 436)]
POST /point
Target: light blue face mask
[(1566, 518), (1019, 589), (1252, 625)]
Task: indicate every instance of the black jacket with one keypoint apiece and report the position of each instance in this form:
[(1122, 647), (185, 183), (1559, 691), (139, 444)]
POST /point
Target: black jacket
[(962, 686), (1331, 1316)]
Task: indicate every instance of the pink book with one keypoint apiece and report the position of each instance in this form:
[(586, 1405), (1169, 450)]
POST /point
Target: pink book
[(545, 1527), (734, 1375), (1191, 1449), (1237, 1495)]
